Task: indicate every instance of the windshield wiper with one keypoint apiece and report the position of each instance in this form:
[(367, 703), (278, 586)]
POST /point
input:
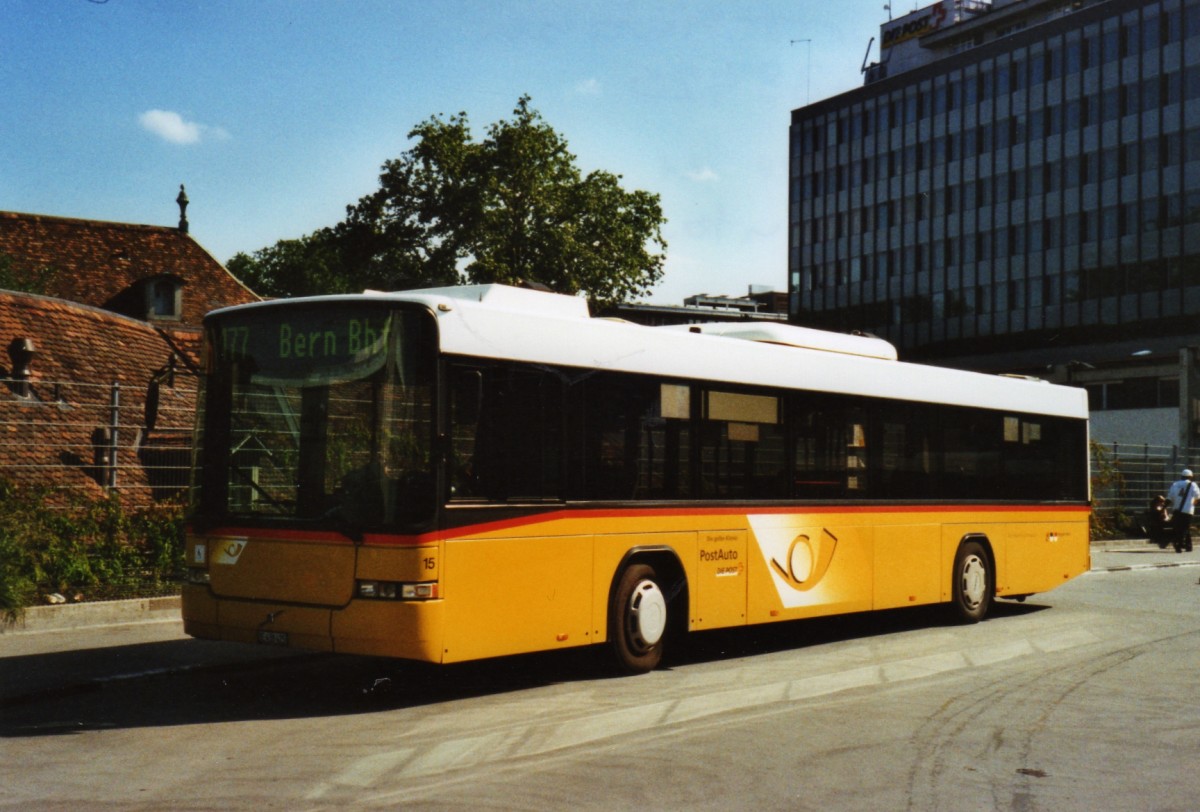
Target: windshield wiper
[(284, 506)]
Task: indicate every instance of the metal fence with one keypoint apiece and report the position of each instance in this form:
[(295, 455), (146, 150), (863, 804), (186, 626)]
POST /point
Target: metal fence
[(73, 439), (1127, 476)]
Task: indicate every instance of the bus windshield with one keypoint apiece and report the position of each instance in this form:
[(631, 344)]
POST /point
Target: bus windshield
[(319, 412)]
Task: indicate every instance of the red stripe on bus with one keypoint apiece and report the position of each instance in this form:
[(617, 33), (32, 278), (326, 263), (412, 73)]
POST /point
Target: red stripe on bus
[(567, 514), (604, 513)]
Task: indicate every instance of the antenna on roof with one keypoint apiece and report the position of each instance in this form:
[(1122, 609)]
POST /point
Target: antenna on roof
[(867, 55), (182, 200)]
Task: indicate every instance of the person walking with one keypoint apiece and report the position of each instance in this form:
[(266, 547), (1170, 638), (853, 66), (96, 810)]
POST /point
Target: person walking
[(1182, 498)]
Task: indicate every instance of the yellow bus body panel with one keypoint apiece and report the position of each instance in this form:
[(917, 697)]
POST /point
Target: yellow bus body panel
[(411, 630), (908, 565), (285, 570), (540, 584), (1040, 557), (516, 595)]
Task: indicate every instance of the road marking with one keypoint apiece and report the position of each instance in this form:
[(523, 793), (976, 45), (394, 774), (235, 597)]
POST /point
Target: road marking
[(542, 738), (362, 773)]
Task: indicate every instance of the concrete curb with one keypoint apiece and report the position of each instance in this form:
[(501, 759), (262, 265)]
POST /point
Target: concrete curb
[(1160, 565), (95, 613), (1131, 567)]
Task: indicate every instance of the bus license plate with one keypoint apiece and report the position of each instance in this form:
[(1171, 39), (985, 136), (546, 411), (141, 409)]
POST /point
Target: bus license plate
[(273, 638)]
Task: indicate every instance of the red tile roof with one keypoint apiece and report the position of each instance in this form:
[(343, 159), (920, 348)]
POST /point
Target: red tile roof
[(102, 264), (50, 436)]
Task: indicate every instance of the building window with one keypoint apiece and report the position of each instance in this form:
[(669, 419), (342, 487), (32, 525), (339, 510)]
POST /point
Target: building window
[(164, 298), (1133, 393)]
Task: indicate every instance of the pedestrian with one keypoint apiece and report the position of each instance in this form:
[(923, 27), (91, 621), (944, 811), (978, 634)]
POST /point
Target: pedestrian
[(1182, 496)]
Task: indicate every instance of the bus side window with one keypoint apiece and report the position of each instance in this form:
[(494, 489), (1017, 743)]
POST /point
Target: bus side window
[(508, 445), (466, 402), (633, 438), (743, 451), (829, 447)]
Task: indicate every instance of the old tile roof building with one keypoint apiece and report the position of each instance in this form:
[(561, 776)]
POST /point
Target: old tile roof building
[(98, 368), (151, 273)]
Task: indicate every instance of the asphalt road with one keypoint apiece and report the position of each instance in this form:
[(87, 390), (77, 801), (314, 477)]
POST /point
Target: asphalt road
[(1079, 699)]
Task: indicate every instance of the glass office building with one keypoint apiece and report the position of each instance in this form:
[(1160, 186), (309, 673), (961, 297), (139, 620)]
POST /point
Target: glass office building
[(1015, 187)]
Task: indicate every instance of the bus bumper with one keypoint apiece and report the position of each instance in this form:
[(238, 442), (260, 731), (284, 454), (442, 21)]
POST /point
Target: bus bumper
[(410, 630)]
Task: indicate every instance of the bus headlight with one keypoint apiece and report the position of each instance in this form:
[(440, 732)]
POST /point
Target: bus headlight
[(391, 590), (419, 592)]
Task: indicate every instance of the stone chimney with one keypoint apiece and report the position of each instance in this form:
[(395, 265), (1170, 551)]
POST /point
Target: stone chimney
[(22, 353)]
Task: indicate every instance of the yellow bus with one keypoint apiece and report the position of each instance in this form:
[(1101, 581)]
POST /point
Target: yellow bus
[(460, 473)]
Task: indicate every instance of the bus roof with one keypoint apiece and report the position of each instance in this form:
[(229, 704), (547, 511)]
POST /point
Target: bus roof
[(503, 322)]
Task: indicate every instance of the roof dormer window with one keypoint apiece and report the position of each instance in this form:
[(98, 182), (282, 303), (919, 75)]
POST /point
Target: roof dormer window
[(164, 298)]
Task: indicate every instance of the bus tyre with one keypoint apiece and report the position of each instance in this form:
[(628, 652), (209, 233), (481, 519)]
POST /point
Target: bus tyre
[(638, 620), (973, 583)]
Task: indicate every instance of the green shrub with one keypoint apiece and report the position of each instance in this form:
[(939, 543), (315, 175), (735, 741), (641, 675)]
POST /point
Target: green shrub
[(1108, 485), (93, 550), (17, 589)]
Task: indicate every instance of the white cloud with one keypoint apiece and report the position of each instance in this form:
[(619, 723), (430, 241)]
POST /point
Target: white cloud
[(705, 175), (588, 87), (174, 128)]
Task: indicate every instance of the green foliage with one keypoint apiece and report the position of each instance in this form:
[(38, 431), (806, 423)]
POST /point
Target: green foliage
[(31, 281), (1108, 483), (17, 588), (95, 550), (511, 208), (291, 267)]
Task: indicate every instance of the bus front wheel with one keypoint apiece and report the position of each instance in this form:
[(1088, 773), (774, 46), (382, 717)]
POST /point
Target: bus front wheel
[(638, 619), (973, 582)]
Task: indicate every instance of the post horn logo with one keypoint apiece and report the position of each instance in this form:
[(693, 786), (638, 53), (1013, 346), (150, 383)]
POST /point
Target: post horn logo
[(807, 561), (227, 551)]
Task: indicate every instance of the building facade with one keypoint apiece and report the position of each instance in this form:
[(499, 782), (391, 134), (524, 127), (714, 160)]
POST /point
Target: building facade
[(1016, 187)]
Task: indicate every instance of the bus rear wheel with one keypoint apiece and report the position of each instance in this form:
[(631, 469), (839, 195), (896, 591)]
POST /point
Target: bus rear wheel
[(973, 582), (638, 619)]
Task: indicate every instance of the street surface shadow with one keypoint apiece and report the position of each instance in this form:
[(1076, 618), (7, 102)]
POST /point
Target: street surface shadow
[(748, 641), (168, 684)]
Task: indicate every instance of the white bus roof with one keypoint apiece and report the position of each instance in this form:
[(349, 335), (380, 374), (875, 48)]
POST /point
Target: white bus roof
[(498, 321)]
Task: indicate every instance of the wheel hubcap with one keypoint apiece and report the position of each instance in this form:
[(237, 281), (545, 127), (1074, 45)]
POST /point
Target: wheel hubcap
[(974, 581), (647, 615)]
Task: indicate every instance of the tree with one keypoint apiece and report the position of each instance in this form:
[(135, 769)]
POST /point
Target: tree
[(511, 208)]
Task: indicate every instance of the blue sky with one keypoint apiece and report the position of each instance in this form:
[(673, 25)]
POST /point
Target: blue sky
[(277, 114)]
